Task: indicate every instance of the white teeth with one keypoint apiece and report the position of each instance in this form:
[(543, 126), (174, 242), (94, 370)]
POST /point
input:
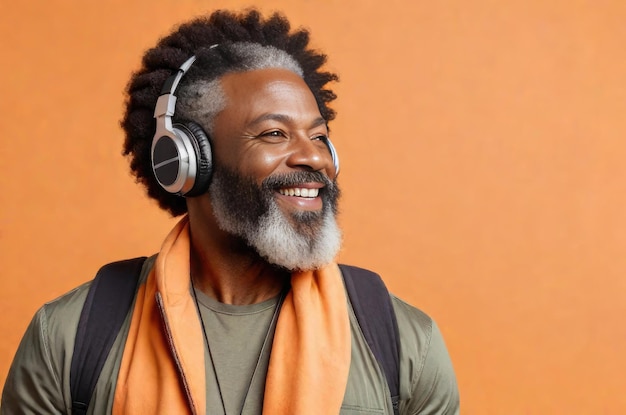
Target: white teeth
[(300, 192)]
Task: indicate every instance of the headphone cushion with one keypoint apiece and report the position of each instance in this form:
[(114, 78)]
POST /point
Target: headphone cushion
[(200, 141)]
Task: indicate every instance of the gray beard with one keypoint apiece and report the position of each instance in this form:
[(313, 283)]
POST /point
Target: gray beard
[(308, 240)]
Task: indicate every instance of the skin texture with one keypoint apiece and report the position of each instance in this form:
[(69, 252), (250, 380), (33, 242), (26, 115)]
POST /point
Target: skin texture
[(271, 125)]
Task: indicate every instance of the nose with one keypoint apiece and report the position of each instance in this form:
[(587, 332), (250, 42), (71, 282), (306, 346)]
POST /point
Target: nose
[(311, 155)]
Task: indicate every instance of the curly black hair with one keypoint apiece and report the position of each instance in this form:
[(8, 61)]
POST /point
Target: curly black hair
[(162, 61)]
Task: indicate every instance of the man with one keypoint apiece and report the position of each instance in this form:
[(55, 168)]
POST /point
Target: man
[(243, 310)]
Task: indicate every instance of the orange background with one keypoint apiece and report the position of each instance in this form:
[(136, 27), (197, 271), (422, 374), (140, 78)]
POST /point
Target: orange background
[(482, 148)]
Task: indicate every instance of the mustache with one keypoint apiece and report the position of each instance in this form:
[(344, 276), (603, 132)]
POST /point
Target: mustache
[(296, 178)]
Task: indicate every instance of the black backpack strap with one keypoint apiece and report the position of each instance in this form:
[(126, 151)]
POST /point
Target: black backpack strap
[(372, 306), (109, 298)]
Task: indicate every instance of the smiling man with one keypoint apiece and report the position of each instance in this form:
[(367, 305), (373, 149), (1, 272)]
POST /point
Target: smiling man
[(243, 310)]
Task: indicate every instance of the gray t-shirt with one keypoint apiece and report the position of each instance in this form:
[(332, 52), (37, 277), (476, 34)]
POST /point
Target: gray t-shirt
[(239, 340)]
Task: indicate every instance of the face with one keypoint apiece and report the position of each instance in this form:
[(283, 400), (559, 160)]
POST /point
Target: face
[(273, 181)]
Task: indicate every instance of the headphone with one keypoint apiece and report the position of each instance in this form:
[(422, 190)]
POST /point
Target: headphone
[(181, 153)]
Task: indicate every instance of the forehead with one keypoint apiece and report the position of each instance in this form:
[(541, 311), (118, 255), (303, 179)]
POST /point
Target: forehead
[(261, 91)]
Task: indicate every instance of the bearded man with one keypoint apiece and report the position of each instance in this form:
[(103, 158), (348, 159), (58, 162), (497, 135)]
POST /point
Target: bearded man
[(243, 310)]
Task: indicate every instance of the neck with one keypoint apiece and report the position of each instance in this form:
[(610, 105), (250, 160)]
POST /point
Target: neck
[(225, 268)]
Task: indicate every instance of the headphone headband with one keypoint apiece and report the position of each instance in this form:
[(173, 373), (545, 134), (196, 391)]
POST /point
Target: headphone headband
[(169, 87), (166, 103)]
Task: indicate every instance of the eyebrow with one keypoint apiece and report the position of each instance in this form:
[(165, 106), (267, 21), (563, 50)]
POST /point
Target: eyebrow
[(286, 119)]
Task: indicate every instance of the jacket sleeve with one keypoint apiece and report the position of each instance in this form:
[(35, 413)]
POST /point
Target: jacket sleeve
[(427, 380), (33, 385)]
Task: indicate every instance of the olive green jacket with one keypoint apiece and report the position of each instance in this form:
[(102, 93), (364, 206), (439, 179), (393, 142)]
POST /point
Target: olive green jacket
[(39, 383)]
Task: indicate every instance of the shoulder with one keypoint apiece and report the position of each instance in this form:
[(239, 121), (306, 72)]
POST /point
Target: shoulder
[(427, 379), (38, 373), (62, 314), (55, 322), (415, 329), (64, 310), (413, 323)]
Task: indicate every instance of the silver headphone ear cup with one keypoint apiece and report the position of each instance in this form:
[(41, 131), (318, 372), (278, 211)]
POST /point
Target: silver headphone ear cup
[(334, 155), (174, 161)]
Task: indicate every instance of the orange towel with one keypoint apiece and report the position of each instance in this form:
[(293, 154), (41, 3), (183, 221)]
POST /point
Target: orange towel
[(162, 370)]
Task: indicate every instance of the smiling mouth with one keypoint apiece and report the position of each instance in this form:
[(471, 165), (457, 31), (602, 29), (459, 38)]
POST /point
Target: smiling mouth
[(299, 192)]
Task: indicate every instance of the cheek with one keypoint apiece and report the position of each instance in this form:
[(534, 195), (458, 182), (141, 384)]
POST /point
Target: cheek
[(260, 163)]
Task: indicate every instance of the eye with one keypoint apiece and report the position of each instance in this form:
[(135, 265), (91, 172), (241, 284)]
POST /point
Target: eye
[(320, 137), (273, 135)]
